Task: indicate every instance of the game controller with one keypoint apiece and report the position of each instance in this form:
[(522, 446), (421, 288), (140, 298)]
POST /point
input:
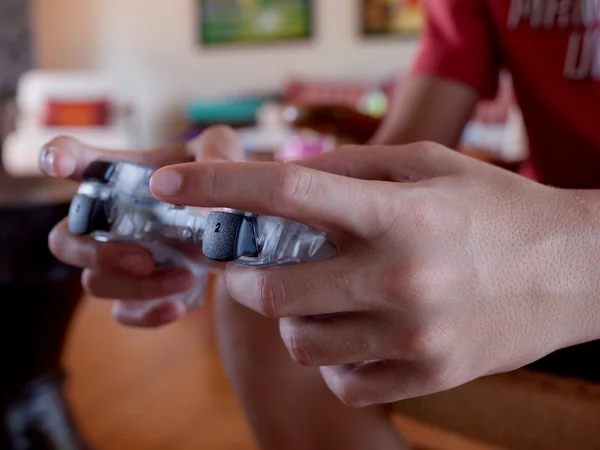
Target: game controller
[(114, 203)]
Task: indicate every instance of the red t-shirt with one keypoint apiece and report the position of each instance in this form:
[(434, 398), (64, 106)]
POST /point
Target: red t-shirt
[(552, 50)]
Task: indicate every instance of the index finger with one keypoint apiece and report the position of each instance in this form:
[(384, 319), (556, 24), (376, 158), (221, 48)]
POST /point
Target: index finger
[(298, 193)]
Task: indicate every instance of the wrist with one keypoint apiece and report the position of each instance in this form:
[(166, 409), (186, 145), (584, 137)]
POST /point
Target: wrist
[(576, 266)]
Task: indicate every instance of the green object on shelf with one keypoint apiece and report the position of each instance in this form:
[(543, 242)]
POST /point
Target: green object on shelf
[(224, 111), (374, 104)]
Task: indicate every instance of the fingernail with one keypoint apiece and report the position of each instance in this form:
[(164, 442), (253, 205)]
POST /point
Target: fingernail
[(46, 161), (55, 163), (165, 183)]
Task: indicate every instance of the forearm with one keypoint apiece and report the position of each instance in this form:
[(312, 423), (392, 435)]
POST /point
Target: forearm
[(427, 109), (401, 128), (397, 129), (287, 405)]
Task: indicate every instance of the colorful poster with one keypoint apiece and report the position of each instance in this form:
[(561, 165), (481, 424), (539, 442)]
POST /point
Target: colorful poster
[(254, 21), (392, 17)]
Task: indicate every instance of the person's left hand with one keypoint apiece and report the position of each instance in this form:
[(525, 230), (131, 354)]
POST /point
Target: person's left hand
[(126, 271), (449, 269)]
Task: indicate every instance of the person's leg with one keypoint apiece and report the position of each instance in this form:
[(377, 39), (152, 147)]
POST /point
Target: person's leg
[(39, 297), (37, 316), (36, 414), (289, 406)]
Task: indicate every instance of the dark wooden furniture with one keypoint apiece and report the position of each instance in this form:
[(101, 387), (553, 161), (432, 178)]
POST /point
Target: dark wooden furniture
[(39, 295)]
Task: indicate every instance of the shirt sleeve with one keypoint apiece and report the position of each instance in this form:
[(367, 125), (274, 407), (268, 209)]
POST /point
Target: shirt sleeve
[(458, 43)]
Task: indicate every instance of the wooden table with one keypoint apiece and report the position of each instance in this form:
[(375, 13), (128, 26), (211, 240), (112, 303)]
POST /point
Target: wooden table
[(34, 191)]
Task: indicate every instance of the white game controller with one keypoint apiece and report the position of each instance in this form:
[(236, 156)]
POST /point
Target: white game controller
[(114, 203)]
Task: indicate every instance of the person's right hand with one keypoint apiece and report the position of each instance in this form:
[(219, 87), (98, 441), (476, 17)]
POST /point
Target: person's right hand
[(124, 271), (448, 269)]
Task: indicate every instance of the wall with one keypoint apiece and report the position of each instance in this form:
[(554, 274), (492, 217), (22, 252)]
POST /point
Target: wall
[(15, 44), (151, 46)]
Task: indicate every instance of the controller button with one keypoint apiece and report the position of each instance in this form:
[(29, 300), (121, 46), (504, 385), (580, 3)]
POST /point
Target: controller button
[(187, 233), (99, 171), (86, 215), (229, 237)]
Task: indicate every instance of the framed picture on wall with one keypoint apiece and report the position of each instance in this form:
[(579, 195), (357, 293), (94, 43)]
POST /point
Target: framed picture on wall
[(402, 18), (235, 22)]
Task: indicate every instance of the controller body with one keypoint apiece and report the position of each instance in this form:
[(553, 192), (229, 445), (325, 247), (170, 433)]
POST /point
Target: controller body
[(114, 203)]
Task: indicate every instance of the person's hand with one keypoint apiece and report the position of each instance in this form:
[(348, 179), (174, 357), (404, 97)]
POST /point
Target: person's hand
[(449, 269), (125, 271)]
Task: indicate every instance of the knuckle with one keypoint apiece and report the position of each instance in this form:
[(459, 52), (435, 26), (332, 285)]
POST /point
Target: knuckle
[(430, 149), (301, 347), (424, 342), (417, 286), (295, 186), (409, 286), (383, 219), (419, 154), (55, 239), (212, 184), (425, 212), (349, 395), (91, 283), (269, 298), (437, 377)]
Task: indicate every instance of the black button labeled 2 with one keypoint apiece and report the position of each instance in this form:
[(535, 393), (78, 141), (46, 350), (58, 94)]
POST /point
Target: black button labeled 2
[(228, 237)]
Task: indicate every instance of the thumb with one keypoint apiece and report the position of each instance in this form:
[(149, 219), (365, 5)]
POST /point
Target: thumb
[(67, 158), (219, 143)]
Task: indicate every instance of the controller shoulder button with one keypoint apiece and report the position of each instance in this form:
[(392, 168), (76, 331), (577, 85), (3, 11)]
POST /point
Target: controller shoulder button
[(87, 214), (99, 171)]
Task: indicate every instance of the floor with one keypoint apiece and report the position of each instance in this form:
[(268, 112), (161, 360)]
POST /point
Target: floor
[(164, 389)]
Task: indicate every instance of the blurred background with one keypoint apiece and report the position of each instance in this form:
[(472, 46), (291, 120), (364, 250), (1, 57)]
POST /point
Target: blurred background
[(156, 73), (295, 78)]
